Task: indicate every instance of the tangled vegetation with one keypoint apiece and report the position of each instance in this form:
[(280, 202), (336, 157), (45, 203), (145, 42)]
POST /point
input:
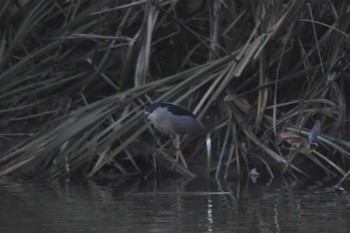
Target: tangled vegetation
[(75, 76)]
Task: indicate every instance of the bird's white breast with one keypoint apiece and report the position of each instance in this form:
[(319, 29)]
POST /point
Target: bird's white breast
[(161, 118)]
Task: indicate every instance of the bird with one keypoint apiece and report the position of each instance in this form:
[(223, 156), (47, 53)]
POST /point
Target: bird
[(173, 120), (302, 144)]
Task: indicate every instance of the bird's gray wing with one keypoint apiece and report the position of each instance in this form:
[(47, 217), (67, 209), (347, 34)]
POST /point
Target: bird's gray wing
[(186, 125), (314, 132)]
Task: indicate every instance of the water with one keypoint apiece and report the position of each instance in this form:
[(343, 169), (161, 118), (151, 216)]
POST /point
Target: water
[(180, 205)]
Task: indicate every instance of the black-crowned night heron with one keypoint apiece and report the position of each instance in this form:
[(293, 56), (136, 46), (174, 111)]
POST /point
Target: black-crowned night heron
[(173, 120), (302, 144)]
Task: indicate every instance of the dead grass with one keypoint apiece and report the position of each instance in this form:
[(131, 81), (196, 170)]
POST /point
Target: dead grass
[(75, 75)]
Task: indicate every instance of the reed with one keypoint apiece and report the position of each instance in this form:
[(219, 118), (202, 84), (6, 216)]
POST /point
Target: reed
[(75, 75)]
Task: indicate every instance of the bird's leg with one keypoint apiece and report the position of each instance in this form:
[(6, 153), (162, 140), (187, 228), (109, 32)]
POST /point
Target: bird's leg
[(177, 147), (179, 154), (292, 148)]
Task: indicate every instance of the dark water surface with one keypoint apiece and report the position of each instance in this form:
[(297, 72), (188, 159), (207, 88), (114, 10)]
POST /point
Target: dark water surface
[(170, 206)]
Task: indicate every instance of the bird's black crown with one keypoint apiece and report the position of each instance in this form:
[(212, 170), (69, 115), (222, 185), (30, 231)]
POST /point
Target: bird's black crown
[(173, 108)]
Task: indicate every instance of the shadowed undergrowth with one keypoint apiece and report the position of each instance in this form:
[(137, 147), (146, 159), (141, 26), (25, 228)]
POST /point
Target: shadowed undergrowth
[(76, 74)]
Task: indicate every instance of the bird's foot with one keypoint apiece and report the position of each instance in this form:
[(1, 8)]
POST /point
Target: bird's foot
[(176, 161)]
